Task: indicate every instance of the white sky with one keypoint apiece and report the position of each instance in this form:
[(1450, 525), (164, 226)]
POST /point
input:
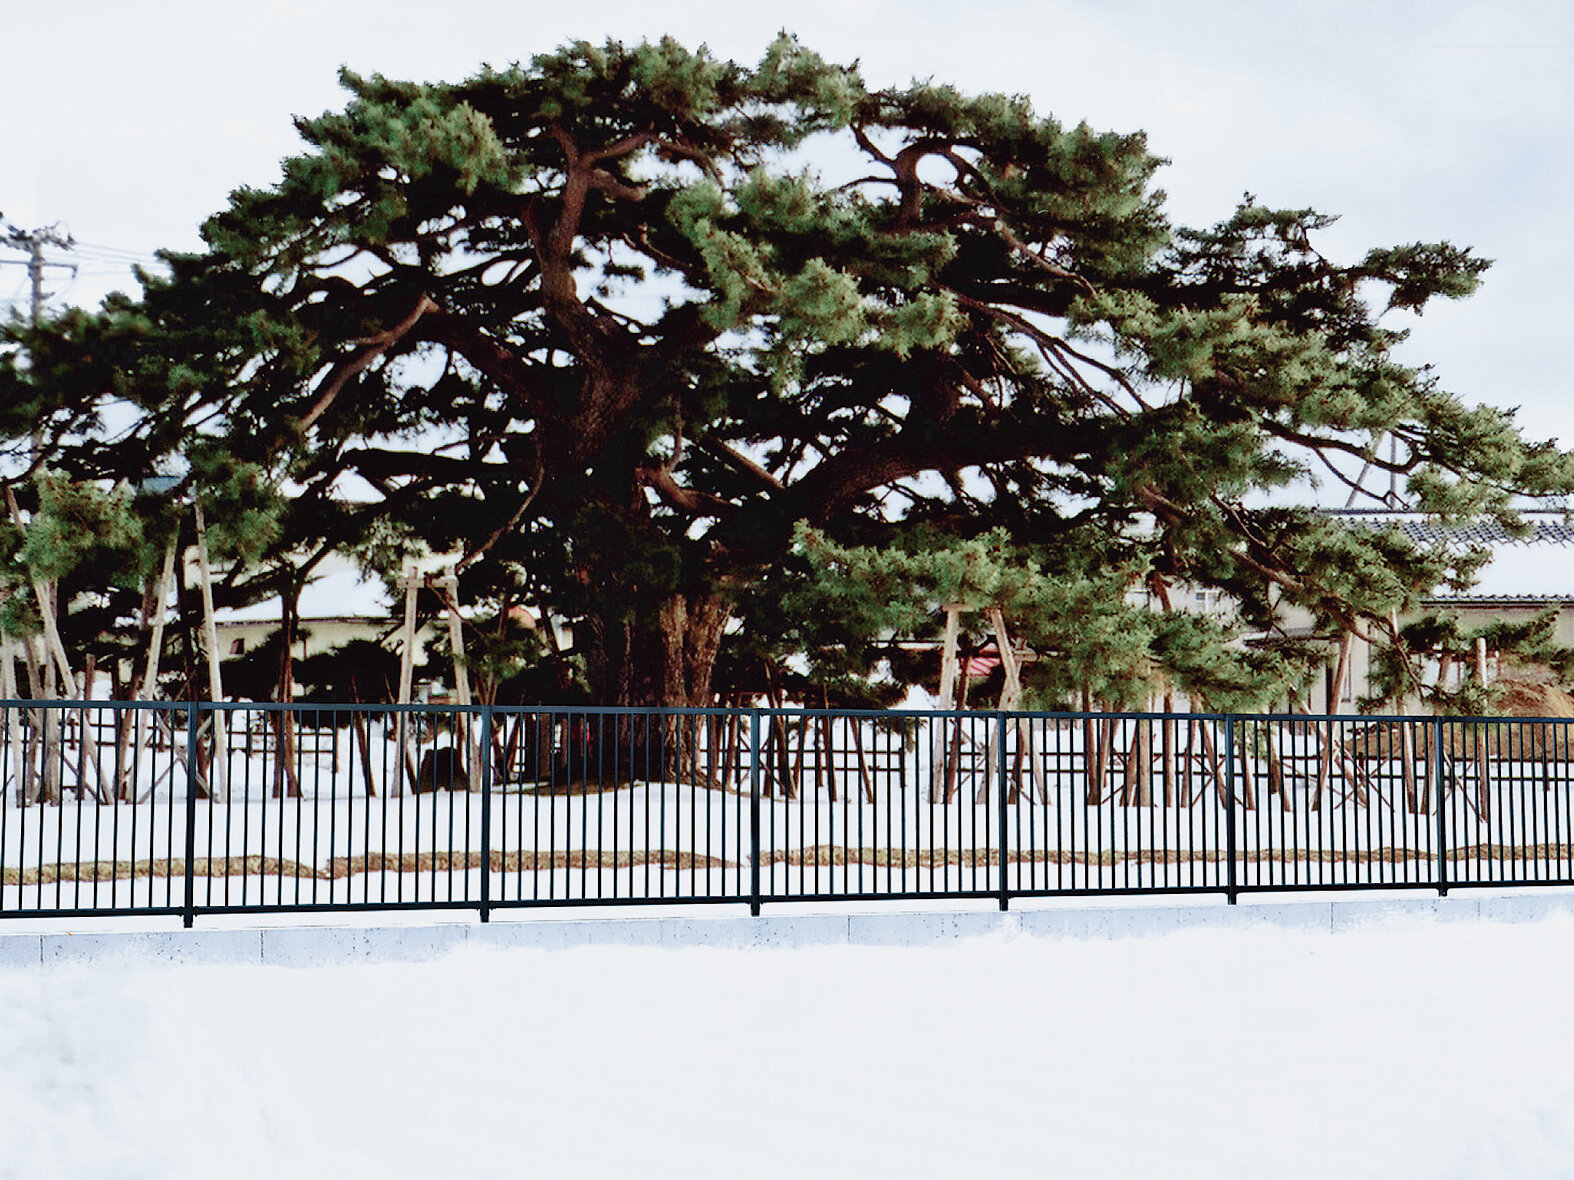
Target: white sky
[(130, 122)]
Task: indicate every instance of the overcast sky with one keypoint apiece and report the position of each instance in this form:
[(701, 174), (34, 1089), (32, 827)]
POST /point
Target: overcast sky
[(130, 122)]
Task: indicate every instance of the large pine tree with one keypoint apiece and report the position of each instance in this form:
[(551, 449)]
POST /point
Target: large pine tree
[(609, 325)]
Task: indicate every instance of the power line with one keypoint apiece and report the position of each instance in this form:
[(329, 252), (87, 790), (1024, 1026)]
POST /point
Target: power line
[(117, 256)]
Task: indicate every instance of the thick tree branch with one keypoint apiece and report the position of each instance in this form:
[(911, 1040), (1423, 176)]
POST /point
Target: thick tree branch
[(508, 525), (849, 473), (676, 496), (516, 378), (999, 229), (380, 464), (739, 462), (372, 347)]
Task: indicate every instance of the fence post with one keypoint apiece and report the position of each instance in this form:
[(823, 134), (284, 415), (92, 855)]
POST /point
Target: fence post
[(487, 747), (754, 812), (1005, 888), (190, 913), (1230, 889), (1442, 824)]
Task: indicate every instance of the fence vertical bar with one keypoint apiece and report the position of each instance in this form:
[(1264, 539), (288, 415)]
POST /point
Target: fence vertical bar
[(487, 747), (754, 812), (190, 913), (1005, 887), (1230, 889), (1442, 819)]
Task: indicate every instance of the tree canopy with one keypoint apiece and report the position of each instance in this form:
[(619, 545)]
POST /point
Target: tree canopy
[(665, 344)]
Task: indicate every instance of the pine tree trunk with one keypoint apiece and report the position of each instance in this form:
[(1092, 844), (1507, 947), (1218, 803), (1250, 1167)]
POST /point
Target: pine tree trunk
[(286, 780), (666, 663)]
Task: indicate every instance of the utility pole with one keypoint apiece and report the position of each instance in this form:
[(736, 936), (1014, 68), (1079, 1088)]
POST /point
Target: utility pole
[(32, 242)]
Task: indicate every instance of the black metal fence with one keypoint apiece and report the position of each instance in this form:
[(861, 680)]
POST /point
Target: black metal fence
[(175, 808)]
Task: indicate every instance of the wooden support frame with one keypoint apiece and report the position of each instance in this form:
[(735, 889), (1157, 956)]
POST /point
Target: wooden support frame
[(447, 587)]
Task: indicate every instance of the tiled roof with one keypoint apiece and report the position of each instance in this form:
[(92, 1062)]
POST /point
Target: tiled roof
[(1469, 599), (1479, 532), (1542, 532), (1535, 568)]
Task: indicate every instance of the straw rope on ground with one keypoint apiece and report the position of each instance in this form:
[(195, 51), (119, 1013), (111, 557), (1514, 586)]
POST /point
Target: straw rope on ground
[(833, 855), (340, 867), (819, 856)]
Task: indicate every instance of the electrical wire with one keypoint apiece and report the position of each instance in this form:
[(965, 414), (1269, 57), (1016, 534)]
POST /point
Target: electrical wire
[(116, 252)]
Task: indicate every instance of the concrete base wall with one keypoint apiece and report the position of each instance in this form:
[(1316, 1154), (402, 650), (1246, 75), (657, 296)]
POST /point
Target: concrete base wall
[(310, 946)]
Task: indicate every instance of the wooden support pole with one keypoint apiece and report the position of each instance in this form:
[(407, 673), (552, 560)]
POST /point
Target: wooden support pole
[(939, 751), (144, 689), (1341, 672), (456, 638), (1011, 691), (864, 776), (218, 786), (1168, 750), (16, 753), (412, 584), (449, 584), (1211, 761), (55, 664), (1010, 698), (1028, 742), (54, 650), (948, 667)]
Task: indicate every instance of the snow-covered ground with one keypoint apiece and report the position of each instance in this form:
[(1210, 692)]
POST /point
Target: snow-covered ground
[(1401, 1050)]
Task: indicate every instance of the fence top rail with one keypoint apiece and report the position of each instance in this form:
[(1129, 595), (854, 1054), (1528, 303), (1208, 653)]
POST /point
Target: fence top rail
[(427, 709)]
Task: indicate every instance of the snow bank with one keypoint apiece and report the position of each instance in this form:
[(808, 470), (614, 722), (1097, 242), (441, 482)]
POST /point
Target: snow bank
[(1400, 1050)]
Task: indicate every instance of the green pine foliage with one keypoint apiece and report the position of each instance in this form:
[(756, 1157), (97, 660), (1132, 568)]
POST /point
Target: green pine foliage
[(1097, 635), (1434, 662)]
